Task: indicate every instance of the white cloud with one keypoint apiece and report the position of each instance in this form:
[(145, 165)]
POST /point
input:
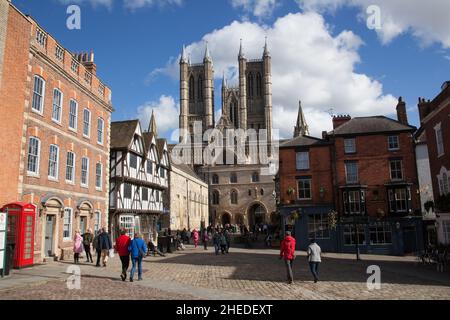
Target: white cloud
[(426, 20), (308, 63), (136, 4), (94, 3), (166, 113), (259, 8)]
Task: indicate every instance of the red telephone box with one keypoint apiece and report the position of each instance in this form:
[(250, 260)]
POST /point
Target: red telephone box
[(21, 226)]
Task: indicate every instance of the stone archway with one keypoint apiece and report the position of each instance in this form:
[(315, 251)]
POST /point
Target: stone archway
[(239, 219), (226, 218), (256, 214)]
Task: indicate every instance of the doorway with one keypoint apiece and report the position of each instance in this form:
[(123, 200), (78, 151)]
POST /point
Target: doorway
[(49, 235), (226, 219), (83, 225), (409, 240), (257, 215)]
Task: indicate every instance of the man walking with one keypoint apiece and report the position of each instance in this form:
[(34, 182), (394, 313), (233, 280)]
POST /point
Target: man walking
[(138, 251), (122, 244), (287, 253), (314, 258), (105, 245), (96, 245), (216, 241)]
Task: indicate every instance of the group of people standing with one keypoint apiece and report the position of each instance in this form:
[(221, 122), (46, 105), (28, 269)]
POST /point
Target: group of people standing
[(101, 243), (221, 238)]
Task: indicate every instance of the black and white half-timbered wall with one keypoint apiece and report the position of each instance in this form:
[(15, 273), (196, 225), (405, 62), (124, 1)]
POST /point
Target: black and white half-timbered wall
[(140, 169)]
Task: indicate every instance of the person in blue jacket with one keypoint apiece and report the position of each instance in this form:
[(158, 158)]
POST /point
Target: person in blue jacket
[(138, 250)]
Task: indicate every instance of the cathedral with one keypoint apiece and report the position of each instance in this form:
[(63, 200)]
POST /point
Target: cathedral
[(242, 193)]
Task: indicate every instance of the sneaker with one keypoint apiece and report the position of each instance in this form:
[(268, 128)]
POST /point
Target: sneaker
[(316, 280), (140, 279), (131, 280)]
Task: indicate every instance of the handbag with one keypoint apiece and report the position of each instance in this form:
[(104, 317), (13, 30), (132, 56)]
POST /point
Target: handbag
[(111, 253)]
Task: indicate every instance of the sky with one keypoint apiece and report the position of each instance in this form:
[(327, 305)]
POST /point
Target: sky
[(323, 52)]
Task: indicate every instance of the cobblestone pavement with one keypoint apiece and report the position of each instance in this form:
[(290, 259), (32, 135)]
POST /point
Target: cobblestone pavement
[(242, 274)]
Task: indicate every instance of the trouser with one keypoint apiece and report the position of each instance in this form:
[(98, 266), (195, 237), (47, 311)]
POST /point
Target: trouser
[(105, 255), (87, 249), (196, 243), (224, 248), (135, 261), (76, 257), (99, 254), (228, 246), (314, 267), (205, 244), (289, 265), (217, 248), (125, 264)]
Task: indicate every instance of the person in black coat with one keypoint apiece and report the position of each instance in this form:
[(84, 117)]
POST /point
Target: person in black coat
[(105, 245)]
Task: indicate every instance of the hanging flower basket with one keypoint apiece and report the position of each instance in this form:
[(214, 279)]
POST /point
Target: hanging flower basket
[(333, 219)]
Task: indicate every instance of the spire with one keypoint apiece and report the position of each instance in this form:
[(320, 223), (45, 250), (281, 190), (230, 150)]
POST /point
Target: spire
[(266, 49), (207, 54), (241, 51), (183, 55), (301, 128), (152, 125)]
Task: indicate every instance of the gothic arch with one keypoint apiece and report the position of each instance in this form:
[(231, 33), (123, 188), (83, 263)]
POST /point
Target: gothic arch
[(258, 84), (250, 85), (191, 88)]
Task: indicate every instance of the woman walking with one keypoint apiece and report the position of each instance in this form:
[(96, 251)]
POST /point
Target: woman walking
[(87, 241), (196, 237), (205, 239), (77, 246)]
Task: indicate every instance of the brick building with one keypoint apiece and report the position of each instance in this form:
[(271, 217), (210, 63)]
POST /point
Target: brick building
[(435, 133), (364, 172), (56, 122)]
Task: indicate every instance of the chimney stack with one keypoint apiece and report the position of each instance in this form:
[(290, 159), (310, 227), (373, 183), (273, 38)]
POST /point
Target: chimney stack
[(424, 108), (402, 116), (87, 59), (340, 120)]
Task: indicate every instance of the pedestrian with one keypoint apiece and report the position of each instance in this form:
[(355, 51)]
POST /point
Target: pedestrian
[(216, 241), (87, 241), (188, 236), (184, 235), (223, 242), (205, 239), (122, 244), (228, 240), (77, 246), (314, 258), (138, 251), (96, 245), (195, 237), (269, 240), (287, 253), (105, 245)]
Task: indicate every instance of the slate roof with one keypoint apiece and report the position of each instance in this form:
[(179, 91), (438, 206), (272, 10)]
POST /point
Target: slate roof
[(367, 125), (186, 169), (303, 141), (122, 133)]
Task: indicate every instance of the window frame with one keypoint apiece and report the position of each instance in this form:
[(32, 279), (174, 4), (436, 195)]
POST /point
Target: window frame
[(37, 157), (69, 237), (61, 103), (392, 170), (89, 123), (86, 184), (397, 138), (55, 162), (97, 177), (73, 166), (302, 164), (302, 180), (348, 181), (100, 133), (73, 102), (41, 95), (346, 146), (318, 221), (440, 148)]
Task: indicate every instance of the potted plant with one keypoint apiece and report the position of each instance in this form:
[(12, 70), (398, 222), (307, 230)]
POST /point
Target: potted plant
[(291, 192)]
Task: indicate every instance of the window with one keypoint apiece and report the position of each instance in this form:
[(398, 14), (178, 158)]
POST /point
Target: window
[(74, 66), (133, 161), (59, 53), (318, 226), (162, 172), (67, 227), (258, 85), (261, 192), (41, 37), (98, 175), (86, 122), (445, 184), (97, 221), (88, 77), (439, 140), (200, 88), (73, 114), (446, 231), (53, 160), (396, 170), (250, 85), (354, 202), (250, 192), (100, 128), (34, 149), (128, 224), (304, 188), (233, 178), (127, 191), (38, 95), (157, 196), (215, 197), (84, 171), (255, 177), (149, 167), (215, 179), (380, 233), (234, 197), (350, 145), (351, 172), (393, 143), (350, 235), (398, 199), (101, 89), (191, 89), (70, 167), (144, 194), (302, 160), (57, 105)]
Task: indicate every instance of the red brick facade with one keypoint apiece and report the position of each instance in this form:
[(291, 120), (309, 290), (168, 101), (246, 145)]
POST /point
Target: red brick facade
[(29, 53)]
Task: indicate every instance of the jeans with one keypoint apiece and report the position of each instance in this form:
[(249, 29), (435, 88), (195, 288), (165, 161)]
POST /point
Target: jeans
[(99, 254), (135, 261), (125, 264), (314, 266), (289, 265), (228, 246), (217, 248), (87, 249)]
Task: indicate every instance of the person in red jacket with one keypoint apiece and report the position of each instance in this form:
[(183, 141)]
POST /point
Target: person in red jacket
[(287, 253), (121, 247)]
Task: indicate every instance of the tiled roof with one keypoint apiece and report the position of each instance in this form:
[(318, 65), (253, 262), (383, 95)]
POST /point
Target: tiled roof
[(122, 133), (365, 125), (303, 141)]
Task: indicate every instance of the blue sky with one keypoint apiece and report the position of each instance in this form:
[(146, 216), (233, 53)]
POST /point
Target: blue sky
[(323, 52)]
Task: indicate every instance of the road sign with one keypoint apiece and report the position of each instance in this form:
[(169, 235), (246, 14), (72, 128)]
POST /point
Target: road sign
[(3, 225)]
